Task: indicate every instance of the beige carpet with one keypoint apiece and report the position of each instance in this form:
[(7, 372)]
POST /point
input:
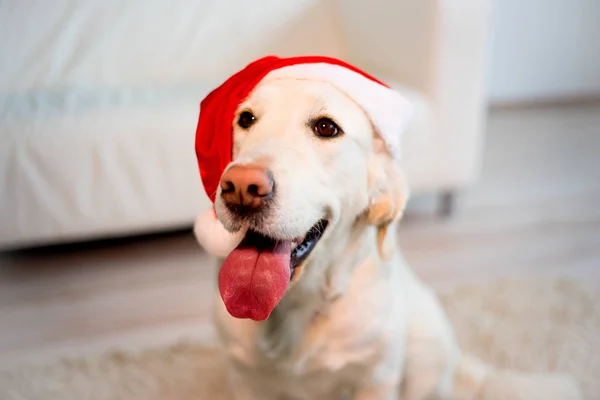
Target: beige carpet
[(536, 326)]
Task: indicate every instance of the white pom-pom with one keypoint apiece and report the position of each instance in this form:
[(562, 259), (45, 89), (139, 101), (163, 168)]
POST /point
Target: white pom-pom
[(213, 237)]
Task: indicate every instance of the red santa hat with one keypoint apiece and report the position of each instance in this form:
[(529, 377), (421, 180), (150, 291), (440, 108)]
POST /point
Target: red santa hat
[(387, 109)]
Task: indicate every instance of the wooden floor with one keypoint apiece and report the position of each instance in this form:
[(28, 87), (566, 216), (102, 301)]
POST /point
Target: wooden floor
[(535, 212)]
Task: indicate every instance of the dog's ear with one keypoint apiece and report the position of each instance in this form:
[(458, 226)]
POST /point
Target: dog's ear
[(388, 195)]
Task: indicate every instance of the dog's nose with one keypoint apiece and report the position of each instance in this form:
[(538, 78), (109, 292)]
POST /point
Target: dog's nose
[(246, 185)]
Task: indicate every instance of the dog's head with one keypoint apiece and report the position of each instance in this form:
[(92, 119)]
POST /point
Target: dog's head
[(307, 166)]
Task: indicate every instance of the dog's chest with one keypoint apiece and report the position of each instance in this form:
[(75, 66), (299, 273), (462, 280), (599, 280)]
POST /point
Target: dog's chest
[(324, 366), (362, 332), (322, 360)]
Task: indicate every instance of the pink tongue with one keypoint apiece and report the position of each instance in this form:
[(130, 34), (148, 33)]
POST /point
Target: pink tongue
[(254, 278)]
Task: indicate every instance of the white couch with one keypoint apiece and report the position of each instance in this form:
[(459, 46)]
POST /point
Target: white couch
[(99, 99)]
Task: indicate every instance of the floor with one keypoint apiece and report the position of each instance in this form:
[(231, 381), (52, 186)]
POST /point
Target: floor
[(536, 211)]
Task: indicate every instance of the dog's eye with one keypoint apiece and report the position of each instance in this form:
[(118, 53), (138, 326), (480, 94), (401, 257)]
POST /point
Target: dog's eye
[(246, 120), (325, 127)]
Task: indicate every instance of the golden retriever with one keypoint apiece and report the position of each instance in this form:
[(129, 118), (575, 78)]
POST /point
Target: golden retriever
[(355, 322)]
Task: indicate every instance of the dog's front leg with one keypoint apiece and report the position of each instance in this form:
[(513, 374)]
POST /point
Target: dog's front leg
[(381, 377), (241, 392), (383, 384), (239, 389), (383, 391)]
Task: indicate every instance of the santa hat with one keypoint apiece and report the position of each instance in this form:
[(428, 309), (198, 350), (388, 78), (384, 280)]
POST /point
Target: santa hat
[(387, 109)]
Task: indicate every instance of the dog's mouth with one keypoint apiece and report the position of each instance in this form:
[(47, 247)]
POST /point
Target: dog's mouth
[(302, 247), (255, 275)]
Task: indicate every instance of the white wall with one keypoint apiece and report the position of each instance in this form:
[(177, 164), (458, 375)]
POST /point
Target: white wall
[(544, 49)]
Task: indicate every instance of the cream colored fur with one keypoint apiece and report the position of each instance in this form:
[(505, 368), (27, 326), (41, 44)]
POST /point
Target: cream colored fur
[(356, 323)]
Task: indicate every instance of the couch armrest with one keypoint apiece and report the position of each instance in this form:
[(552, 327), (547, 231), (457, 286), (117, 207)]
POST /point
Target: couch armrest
[(438, 48), (458, 68)]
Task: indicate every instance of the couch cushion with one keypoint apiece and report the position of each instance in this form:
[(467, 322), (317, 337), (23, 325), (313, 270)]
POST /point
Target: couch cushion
[(48, 45), (83, 165)]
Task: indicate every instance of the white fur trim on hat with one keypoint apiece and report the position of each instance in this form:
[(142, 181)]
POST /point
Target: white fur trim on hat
[(213, 236), (388, 110)]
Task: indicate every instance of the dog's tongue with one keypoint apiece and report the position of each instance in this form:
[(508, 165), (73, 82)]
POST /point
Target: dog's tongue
[(255, 276)]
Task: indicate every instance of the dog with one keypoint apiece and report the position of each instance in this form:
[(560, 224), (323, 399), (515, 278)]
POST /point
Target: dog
[(310, 178)]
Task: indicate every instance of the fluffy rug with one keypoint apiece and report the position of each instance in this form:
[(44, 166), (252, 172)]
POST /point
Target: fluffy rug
[(535, 326)]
